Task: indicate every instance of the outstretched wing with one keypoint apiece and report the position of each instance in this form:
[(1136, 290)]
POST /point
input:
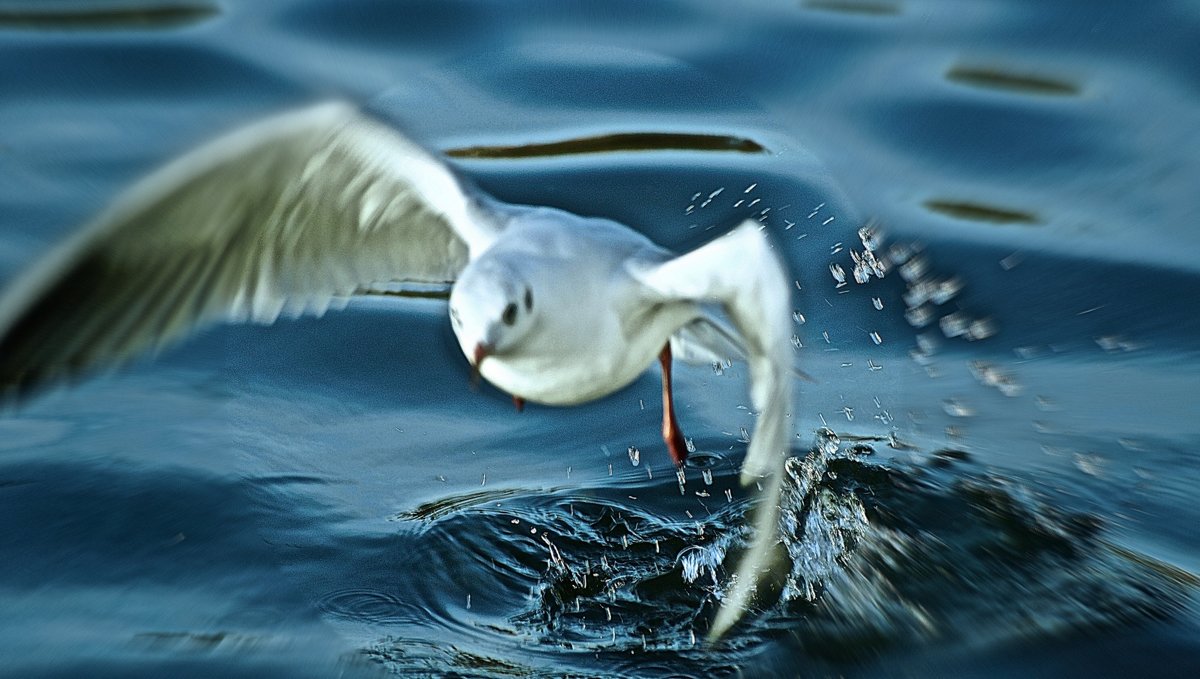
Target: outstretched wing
[(282, 216), (707, 340), (740, 272)]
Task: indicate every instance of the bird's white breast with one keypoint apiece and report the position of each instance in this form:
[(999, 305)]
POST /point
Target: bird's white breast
[(594, 334)]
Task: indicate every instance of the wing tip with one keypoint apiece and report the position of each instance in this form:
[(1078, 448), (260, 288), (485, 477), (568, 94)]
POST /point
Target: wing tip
[(18, 388), (753, 575)]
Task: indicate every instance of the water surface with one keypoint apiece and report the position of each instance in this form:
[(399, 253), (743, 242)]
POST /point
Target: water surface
[(994, 464)]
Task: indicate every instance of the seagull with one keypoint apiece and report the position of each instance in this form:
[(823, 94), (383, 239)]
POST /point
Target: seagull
[(291, 214)]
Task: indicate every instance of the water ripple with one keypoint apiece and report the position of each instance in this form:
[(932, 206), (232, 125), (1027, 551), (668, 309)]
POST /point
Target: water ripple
[(368, 606), (935, 553)]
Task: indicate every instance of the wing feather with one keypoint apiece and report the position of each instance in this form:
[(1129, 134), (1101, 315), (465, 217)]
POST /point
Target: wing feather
[(282, 216), (740, 272)]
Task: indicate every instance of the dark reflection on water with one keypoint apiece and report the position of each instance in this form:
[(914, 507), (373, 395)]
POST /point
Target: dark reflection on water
[(980, 213), (621, 141), (855, 6), (1028, 83), (100, 17)]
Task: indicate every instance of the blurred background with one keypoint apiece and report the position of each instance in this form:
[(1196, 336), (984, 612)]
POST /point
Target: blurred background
[(994, 465)]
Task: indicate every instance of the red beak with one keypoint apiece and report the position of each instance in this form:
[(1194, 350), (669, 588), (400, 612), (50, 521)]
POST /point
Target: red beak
[(482, 351)]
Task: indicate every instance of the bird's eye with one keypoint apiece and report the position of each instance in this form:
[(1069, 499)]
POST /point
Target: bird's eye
[(510, 314), (528, 299)]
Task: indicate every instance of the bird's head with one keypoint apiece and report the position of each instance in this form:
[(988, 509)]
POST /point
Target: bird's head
[(491, 308)]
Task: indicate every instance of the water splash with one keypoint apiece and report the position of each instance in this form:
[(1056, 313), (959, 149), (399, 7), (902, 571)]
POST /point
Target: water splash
[(879, 554)]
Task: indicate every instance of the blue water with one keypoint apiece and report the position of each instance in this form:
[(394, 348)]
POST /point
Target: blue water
[(330, 498)]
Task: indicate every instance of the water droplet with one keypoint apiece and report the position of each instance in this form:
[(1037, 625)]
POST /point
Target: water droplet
[(468, 602), (635, 456), (1010, 262), (876, 338), (799, 317), (981, 328), (870, 237), (917, 294), (946, 290), (990, 375), (919, 317), (862, 272), (912, 270), (928, 342), (878, 303), (707, 475), (879, 266), (838, 273), (956, 408), (901, 252), (955, 324), (750, 188), (712, 195)]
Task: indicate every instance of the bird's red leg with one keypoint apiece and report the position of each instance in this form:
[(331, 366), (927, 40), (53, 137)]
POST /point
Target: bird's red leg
[(671, 434), (519, 403)]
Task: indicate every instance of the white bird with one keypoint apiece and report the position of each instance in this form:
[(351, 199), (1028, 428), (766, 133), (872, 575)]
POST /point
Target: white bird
[(299, 210)]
